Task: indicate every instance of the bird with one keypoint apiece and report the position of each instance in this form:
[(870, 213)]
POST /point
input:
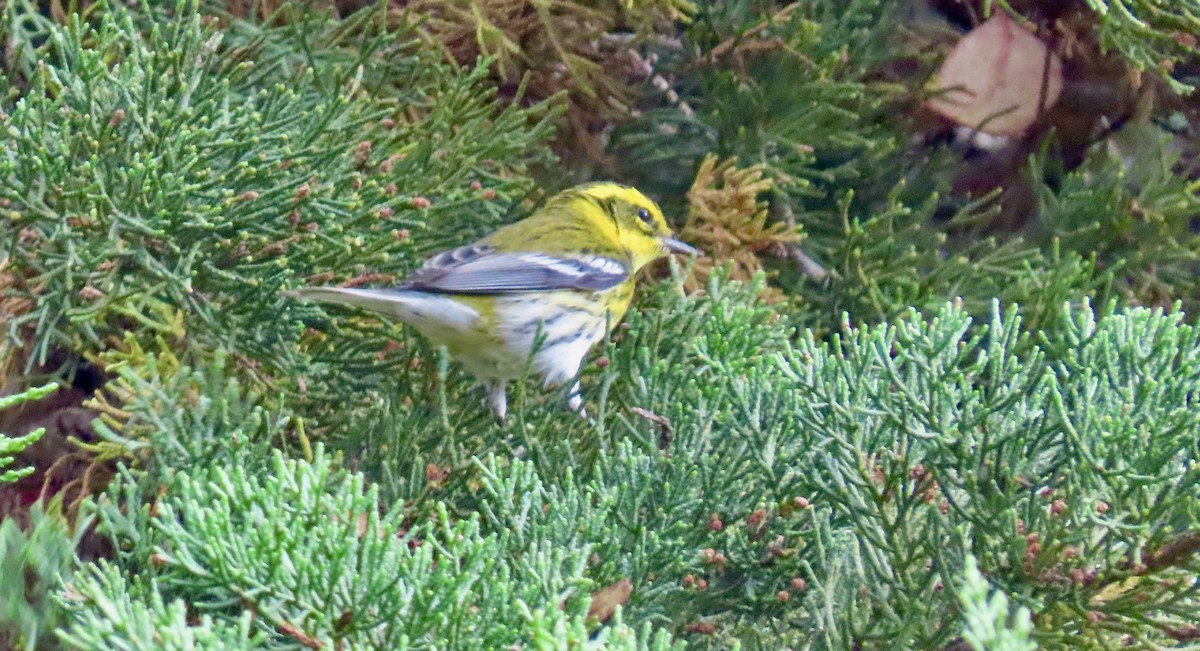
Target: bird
[(536, 294)]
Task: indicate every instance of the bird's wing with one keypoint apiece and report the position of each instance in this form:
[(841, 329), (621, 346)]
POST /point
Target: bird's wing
[(480, 269)]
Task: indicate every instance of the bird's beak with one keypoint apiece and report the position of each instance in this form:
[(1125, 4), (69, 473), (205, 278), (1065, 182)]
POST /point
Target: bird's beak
[(675, 246)]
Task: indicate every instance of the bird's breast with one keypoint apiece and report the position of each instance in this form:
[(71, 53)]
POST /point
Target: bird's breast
[(557, 328)]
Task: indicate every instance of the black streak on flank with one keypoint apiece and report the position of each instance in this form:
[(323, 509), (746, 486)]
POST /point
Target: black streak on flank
[(565, 339), (530, 326)]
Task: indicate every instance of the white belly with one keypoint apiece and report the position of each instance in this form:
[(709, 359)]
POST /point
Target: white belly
[(563, 338)]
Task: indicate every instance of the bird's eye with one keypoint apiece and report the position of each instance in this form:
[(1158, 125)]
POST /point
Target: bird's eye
[(644, 215)]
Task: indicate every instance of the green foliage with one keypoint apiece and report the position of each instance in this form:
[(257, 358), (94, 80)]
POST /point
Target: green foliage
[(157, 181), (812, 494), (1149, 32), (746, 91), (792, 92), (12, 446), (580, 54), (904, 470), (885, 260), (176, 416), (814, 93), (1135, 215), (866, 462), (307, 551), (104, 613), (987, 618), (33, 559)]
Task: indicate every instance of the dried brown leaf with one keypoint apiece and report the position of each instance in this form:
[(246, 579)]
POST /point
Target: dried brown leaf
[(606, 599), (998, 79)]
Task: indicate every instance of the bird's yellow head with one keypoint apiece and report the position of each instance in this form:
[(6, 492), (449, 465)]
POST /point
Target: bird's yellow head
[(631, 220)]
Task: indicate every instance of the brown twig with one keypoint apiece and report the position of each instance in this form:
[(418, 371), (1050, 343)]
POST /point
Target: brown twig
[(663, 423), (1172, 554)]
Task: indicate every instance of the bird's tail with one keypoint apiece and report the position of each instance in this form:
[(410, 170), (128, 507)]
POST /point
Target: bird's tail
[(369, 299), (421, 309)]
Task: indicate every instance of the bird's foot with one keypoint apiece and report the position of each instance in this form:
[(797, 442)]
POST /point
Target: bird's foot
[(498, 400), (575, 404)]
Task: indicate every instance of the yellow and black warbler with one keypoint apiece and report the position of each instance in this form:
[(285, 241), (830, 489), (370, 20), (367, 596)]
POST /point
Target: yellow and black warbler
[(557, 279)]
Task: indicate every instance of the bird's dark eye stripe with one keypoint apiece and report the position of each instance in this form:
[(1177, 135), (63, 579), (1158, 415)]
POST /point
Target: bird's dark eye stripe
[(644, 215), (606, 205)]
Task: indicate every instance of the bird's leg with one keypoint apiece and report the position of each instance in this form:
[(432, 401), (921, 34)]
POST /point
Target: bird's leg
[(575, 401), (498, 399)]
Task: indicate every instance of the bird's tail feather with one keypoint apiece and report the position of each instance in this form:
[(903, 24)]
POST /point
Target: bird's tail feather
[(369, 299), (412, 307)]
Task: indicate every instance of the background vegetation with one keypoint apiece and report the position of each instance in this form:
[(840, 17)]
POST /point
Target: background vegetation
[(926, 389)]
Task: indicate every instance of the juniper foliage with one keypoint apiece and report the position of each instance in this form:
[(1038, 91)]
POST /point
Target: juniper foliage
[(988, 627), (12, 446), (825, 96), (297, 476), (179, 190), (1149, 32), (36, 556), (818, 495), (305, 556)]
